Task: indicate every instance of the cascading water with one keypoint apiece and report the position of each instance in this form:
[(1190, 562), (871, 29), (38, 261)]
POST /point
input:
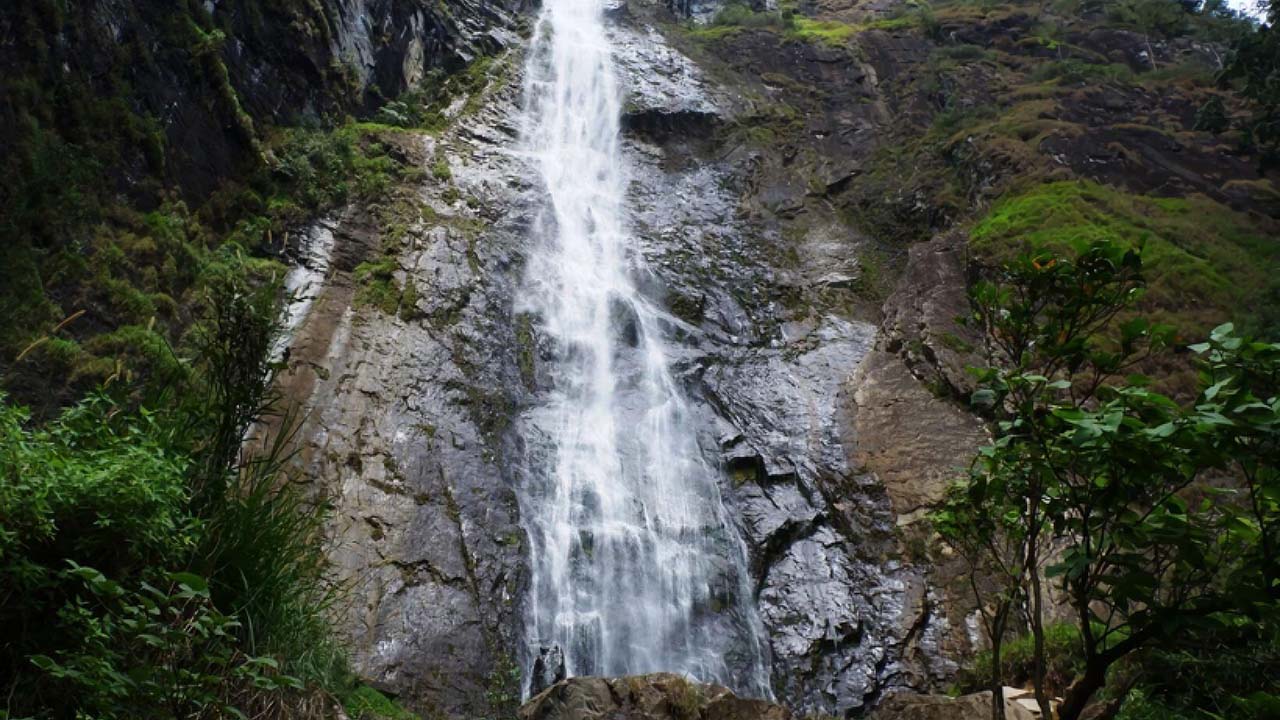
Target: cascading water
[(635, 567)]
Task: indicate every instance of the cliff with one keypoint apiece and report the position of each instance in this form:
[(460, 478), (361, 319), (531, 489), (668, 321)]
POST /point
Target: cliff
[(813, 187)]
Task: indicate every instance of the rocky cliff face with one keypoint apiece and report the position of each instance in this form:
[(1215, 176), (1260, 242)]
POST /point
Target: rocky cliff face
[(409, 414), (188, 85), (802, 197)]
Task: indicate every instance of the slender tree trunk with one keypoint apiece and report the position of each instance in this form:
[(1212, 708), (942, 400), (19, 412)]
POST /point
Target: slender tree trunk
[(997, 683), (998, 622), (1037, 631)]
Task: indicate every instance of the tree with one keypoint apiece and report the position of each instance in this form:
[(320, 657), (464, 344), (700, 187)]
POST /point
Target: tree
[(1041, 321), (1161, 519), (1255, 67)]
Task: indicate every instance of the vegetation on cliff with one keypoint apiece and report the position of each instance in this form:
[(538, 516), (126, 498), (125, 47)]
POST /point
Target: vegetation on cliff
[(1156, 523), (1070, 133), (146, 563), (152, 562)]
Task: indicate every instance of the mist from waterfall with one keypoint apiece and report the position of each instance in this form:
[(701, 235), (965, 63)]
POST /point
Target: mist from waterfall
[(634, 565)]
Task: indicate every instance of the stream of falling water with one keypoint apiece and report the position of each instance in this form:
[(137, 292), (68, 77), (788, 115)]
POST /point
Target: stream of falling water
[(635, 567)]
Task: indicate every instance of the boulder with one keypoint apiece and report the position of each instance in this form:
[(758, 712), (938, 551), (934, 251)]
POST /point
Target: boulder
[(548, 669), (661, 696), (906, 706)]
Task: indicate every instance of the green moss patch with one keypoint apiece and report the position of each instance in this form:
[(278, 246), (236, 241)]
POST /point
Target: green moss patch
[(378, 286), (828, 32), (1204, 261)]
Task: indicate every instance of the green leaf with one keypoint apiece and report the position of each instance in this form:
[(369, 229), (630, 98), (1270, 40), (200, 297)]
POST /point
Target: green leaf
[(44, 662), (983, 398), (190, 581)]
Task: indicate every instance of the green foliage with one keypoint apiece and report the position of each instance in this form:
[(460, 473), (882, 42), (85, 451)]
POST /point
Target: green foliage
[(378, 286), (71, 490), (156, 651), (1164, 17), (502, 688), (152, 566), (828, 32), (1017, 661), (1255, 68), (1074, 71), (440, 170), (1212, 116), (735, 17), (1191, 247), (1123, 483), (366, 703), (430, 106), (1224, 671)]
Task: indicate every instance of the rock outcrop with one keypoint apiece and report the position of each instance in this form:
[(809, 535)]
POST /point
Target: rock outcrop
[(406, 416), (824, 361), (660, 696), (977, 706), (191, 82)]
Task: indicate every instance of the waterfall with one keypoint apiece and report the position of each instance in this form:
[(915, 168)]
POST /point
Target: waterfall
[(635, 566)]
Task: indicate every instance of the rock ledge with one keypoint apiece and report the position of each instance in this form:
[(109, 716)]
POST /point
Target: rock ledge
[(661, 696)]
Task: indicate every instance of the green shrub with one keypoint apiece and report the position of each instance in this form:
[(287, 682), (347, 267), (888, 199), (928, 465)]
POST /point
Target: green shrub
[(1231, 671), (155, 650), (1062, 648), (156, 502), (366, 703), (377, 285)]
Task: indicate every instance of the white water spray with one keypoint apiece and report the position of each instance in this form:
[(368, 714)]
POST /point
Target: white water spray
[(635, 567)]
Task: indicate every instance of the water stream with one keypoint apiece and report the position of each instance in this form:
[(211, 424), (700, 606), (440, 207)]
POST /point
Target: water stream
[(635, 566)]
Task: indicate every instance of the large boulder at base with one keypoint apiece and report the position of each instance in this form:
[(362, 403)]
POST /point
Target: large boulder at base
[(907, 706), (661, 696)]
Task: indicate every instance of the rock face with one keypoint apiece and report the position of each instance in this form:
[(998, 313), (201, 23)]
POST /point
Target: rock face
[(410, 417), (193, 79), (406, 418), (831, 400), (660, 696)]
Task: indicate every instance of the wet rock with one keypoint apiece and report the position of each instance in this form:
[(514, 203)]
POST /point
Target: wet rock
[(548, 669), (660, 696), (405, 419), (658, 79)]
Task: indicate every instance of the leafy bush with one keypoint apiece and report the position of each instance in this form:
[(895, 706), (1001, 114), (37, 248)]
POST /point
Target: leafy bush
[(150, 565), (150, 651), (1062, 652), (1229, 670)]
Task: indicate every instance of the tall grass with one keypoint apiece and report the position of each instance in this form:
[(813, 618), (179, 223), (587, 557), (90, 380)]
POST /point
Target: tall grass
[(130, 498)]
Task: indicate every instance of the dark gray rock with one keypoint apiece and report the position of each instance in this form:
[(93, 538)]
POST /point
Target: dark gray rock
[(548, 669), (208, 77), (406, 428), (660, 696)]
